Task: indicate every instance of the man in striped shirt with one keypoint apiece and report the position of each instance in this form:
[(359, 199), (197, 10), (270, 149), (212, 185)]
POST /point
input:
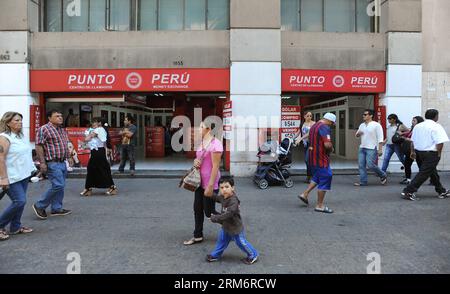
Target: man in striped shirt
[(319, 161), (52, 151)]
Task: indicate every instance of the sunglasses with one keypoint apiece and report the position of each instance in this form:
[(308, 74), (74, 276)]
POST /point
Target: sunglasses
[(365, 114)]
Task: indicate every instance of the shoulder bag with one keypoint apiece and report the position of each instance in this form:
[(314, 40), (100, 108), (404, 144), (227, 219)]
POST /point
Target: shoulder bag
[(192, 179)]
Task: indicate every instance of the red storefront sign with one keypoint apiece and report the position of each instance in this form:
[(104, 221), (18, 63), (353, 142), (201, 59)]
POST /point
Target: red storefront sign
[(154, 142), (299, 80), (35, 121), (129, 80)]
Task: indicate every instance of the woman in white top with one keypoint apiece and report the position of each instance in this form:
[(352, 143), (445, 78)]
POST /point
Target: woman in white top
[(16, 167), (98, 169), (395, 126)]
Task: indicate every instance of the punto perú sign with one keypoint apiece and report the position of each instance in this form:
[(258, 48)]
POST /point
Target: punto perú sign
[(342, 81), (129, 80)]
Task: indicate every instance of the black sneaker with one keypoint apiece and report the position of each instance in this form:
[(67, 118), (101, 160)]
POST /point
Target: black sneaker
[(210, 258), (249, 260), (61, 212), (444, 194), (383, 180), (405, 181), (40, 213), (409, 196)]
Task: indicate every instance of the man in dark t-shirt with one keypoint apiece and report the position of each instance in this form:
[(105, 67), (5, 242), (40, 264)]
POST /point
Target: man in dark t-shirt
[(129, 142), (320, 147)]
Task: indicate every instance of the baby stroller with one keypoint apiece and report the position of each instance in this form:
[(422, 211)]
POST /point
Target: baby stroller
[(274, 161)]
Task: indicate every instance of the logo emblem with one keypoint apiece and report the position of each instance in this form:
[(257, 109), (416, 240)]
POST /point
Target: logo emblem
[(133, 80), (338, 81)]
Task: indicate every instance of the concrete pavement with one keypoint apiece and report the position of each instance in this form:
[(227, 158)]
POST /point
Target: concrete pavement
[(141, 231)]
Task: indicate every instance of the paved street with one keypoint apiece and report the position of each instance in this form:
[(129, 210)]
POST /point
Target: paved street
[(141, 231)]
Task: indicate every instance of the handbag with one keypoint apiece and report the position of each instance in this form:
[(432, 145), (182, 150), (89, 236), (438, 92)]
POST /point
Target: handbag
[(192, 179), (397, 138)]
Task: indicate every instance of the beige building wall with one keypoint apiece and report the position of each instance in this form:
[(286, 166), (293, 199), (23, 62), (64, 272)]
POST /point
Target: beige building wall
[(436, 65)]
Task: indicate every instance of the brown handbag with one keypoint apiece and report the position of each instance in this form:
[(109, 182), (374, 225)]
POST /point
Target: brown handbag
[(192, 179)]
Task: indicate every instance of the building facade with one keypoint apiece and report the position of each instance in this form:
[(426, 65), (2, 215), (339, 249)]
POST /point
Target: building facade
[(265, 61)]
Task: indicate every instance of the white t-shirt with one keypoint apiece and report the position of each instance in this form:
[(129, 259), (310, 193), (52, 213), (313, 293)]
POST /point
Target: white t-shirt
[(426, 135), (100, 140), (372, 135), (19, 161)]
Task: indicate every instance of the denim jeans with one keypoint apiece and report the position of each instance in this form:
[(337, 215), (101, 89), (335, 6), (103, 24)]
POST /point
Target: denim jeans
[(367, 158), (18, 194), (56, 173), (127, 152), (389, 151), (223, 239)]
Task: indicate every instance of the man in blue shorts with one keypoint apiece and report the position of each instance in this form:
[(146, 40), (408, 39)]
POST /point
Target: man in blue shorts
[(320, 147)]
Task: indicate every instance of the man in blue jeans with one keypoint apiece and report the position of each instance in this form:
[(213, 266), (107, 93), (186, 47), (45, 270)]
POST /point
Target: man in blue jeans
[(371, 134), (52, 151)]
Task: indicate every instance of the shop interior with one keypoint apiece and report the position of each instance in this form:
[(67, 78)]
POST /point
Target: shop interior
[(348, 110), (152, 113)]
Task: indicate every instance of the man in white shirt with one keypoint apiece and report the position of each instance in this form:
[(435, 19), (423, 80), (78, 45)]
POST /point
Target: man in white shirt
[(428, 139), (372, 139)]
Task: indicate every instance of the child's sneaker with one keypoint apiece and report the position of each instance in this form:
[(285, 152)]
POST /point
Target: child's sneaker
[(210, 258), (249, 260)]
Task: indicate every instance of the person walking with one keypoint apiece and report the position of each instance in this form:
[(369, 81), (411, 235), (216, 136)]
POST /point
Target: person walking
[(16, 167), (129, 142), (395, 126), (428, 140), (98, 169), (208, 158), (52, 150), (319, 160), (303, 136), (371, 134), (406, 150), (231, 221)]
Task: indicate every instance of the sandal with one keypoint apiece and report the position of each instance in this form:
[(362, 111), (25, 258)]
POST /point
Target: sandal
[(112, 191), (3, 235), (22, 230), (86, 192), (193, 241), (302, 198), (324, 210)]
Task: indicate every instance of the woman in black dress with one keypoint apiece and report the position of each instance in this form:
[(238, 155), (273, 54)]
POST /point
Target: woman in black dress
[(98, 169)]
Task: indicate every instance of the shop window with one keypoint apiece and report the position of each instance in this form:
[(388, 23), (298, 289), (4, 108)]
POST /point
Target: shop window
[(312, 15), (327, 15), (290, 17), (125, 15), (113, 119), (171, 15), (76, 19), (195, 15), (119, 15), (122, 118), (97, 17), (218, 14), (53, 17), (148, 16)]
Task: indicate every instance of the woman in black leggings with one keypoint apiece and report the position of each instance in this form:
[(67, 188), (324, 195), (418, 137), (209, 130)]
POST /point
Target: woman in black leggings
[(406, 149)]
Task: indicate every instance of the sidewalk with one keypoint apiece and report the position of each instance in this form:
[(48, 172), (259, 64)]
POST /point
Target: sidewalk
[(141, 231)]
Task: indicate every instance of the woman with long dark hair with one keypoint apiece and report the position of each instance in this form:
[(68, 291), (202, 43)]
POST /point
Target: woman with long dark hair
[(395, 125), (304, 136), (98, 169), (208, 158), (406, 148)]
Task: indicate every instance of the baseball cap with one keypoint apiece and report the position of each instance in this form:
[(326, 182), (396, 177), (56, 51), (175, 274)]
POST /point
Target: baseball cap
[(329, 116)]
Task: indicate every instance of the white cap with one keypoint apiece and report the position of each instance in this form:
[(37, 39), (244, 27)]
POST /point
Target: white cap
[(329, 116)]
